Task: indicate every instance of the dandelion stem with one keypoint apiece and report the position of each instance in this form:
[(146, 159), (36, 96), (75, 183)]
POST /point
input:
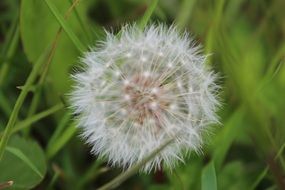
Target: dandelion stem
[(6, 184), (26, 123), (124, 176), (14, 115)]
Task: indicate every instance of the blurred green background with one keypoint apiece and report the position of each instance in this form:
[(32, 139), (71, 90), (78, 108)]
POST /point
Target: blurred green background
[(246, 41)]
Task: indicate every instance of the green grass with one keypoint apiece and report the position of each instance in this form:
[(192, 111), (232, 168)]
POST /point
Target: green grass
[(40, 45)]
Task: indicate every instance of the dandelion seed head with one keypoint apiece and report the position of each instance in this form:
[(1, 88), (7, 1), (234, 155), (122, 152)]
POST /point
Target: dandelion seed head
[(140, 89)]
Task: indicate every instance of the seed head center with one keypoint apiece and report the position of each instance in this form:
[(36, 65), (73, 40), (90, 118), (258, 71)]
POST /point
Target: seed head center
[(145, 98)]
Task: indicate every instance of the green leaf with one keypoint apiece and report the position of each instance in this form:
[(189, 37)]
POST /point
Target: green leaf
[(24, 163), (39, 32), (209, 179), (18, 153)]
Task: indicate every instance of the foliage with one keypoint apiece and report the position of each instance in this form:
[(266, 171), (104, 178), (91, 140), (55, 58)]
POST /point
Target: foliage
[(40, 46)]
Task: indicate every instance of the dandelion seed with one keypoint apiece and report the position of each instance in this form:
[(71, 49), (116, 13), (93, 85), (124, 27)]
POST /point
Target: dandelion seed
[(128, 55), (172, 107), (143, 59), (124, 112), (146, 74), (153, 105), (160, 54), (179, 84), (169, 65), (126, 82), (154, 90), (117, 73), (127, 97), (162, 90)]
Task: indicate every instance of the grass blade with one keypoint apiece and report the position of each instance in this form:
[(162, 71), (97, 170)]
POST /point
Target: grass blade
[(209, 179), (65, 26), (233, 127), (265, 170), (18, 105), (60, 142), (5, 104), (26, 123), (59, 129), (143, 22), (8, 53), (185, 13)]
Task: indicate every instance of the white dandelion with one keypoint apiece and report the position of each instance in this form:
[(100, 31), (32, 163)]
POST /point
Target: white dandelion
[(139, 89)]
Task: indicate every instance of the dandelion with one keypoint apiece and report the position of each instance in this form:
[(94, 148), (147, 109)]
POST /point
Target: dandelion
[(139, 89)]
